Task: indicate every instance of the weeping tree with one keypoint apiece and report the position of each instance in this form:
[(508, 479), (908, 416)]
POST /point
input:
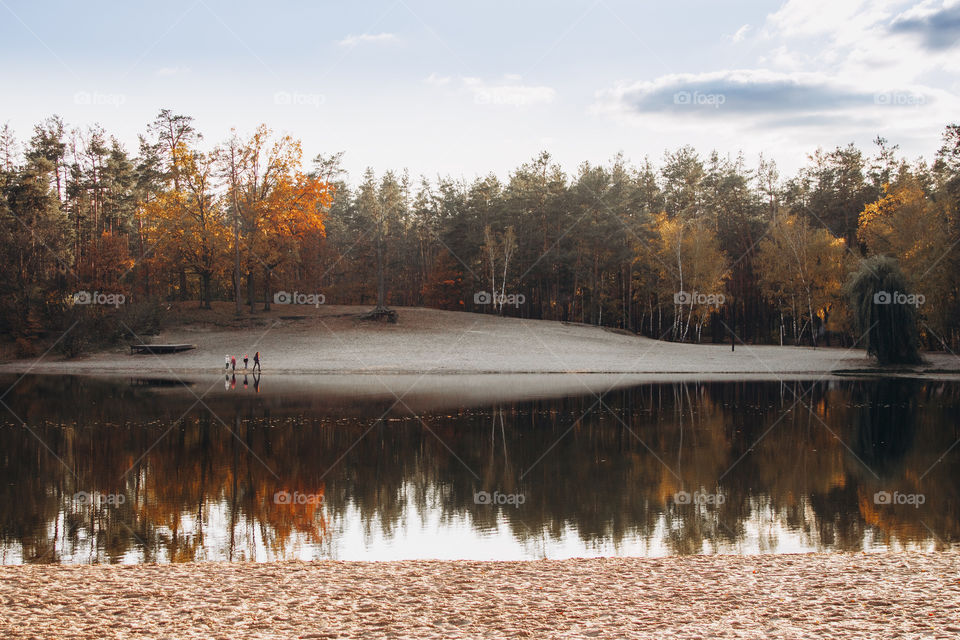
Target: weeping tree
[(880, 300)]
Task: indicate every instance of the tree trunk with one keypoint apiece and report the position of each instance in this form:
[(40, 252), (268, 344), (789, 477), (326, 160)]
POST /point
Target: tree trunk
[(205, 276), (236, 268), (381, 293), (267, 284)]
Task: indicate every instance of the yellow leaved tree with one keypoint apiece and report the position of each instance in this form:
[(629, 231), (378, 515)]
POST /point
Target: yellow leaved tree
[(907, 225), (693, 271), (189, 222), (801, 269)]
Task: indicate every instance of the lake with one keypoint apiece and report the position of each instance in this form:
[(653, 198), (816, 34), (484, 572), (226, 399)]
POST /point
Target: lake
[(96, 470)]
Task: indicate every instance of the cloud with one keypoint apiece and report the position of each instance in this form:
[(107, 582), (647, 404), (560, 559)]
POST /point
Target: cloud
[(893, 41), (937, 27), (510, 93), (741, 33), (738, 92), (368, 38), (844, 21), (761, 98), (437, 80)]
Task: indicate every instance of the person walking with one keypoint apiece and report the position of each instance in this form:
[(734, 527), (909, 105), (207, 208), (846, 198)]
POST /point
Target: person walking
[(245, 358), (233, 363), (226, 362), (256, 361)]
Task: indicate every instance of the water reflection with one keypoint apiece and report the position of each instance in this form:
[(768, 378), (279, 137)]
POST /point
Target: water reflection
[(105, 471)]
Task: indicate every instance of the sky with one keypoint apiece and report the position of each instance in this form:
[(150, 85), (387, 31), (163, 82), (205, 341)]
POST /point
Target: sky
[(465, 89)]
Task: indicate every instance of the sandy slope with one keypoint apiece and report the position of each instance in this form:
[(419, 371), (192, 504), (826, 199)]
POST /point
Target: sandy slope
[(332, 340), (886, 595)]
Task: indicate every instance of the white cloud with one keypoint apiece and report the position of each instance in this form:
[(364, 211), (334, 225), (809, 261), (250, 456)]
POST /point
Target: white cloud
[(437, 80), (510, 92), (741, 33), (843, 20), (750, 98), (368, 38), (865, 40)]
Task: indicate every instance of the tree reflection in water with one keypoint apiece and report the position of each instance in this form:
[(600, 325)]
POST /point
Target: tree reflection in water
[(602, 477)]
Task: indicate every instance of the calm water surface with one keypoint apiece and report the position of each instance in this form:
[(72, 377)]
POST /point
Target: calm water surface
[(95, 470)]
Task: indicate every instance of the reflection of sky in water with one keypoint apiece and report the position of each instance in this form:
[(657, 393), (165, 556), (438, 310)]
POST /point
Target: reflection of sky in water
[(432, 535), (407, 493)]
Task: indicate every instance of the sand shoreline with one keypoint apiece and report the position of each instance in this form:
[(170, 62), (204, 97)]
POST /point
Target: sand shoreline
[(839, 595), (332, 341)]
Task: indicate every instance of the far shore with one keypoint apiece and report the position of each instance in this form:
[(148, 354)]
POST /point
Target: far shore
[(332, 340)]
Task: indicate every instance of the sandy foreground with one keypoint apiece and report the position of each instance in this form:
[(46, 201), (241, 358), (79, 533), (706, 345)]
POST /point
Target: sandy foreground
[(332, 340), (884, 595)]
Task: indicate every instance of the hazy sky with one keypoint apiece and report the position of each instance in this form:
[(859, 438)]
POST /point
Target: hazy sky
[(467, 88)]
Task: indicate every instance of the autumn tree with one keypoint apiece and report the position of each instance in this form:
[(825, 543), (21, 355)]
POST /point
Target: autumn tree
[(693, 271), (191, 219), (275, 208), (801, 271), (909, 226)]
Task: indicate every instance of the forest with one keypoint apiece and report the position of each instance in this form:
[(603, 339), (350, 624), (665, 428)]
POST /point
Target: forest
[(692, 247)]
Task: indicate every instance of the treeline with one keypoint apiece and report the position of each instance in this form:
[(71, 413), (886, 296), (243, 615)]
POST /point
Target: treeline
[(695, 248)]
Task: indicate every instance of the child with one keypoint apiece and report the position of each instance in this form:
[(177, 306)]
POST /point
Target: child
[(245, 362), (256, 361), (226, 362)]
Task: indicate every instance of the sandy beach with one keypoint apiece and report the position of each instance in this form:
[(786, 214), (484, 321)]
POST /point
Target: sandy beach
[(884, 595), (333, 340)]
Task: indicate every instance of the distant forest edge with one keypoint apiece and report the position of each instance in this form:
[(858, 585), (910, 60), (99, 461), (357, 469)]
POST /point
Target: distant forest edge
[(98, 241)]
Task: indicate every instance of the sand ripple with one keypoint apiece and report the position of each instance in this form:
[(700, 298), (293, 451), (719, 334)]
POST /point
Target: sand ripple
[(786, 596)]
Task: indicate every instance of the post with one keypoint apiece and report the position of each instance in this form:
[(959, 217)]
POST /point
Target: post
[(733, 336)]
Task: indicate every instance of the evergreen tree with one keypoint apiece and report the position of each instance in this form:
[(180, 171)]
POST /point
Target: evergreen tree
[(879, 298)]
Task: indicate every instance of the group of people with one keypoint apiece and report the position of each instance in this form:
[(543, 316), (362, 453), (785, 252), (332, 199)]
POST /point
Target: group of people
[(230, 362)]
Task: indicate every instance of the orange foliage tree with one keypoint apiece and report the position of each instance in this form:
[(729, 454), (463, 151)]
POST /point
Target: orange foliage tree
[(278, 208)]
